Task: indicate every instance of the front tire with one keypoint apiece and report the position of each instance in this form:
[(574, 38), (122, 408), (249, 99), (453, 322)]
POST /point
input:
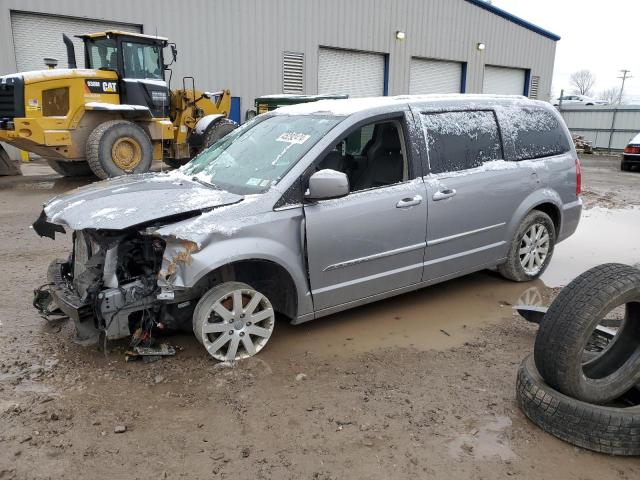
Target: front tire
[(531, 248), (233, 321), (119, 147)]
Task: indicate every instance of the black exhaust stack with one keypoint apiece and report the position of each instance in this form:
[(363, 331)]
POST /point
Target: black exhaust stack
[(71, 51)]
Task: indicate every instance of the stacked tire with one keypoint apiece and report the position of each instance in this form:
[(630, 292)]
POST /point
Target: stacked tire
[(588, 397)]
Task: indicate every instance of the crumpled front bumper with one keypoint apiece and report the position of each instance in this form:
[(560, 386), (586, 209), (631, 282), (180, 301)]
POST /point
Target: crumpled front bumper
[(71, 304)]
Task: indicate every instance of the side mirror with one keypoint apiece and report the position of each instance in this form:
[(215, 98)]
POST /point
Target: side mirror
[(174, 55), (327, 183)]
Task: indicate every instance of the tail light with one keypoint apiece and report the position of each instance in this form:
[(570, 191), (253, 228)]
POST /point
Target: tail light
[(633, 149), (578, 178)]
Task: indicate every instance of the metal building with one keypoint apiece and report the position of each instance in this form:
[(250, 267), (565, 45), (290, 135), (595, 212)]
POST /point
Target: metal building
[(257, 47)]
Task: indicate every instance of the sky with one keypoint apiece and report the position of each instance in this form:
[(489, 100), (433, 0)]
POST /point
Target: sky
[(603, 37)]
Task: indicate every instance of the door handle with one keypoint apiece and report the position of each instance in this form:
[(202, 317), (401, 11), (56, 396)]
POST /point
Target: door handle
[(409, 202), (442, 194)]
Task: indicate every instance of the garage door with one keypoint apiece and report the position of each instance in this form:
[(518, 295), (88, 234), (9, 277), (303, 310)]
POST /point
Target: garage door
[(434, 76), (358, 74), (36, 36), (502, 80)]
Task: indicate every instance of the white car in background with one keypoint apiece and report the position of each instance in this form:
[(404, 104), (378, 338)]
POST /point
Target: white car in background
[(578, 100)]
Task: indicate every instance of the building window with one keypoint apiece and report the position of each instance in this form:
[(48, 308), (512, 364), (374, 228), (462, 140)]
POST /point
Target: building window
[(292, 72), (533, 87)]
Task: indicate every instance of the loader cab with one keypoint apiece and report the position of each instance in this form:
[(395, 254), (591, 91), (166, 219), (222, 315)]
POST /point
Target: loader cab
[(138, 60)]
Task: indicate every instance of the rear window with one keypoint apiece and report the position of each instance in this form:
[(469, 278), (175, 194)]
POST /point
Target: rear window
[(532, 132), (461, 140)]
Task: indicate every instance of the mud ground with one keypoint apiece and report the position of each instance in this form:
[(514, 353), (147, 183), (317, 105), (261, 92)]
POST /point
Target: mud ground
[(418, 386)]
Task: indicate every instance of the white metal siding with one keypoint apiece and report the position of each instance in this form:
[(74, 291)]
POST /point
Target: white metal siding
[(358, 74), (503, 80), (434, 76), (37, 36), (244, 52)]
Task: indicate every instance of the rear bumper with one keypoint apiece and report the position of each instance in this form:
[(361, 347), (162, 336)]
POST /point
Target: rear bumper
[(571, 213), (629, 159)]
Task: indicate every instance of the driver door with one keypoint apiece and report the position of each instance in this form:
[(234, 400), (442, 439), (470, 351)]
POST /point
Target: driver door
[(372, 241)]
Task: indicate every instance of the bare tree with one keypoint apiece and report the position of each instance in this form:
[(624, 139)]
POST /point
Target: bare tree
[(582, 82), (611, 95)]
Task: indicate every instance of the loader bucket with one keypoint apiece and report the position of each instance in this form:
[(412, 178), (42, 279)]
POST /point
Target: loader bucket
[(8, 166)]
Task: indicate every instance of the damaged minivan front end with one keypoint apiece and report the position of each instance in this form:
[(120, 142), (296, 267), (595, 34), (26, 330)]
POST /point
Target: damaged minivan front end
[(119, 276)]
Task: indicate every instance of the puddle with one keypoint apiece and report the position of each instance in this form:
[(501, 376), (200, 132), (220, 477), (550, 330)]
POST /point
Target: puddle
[(436, 317), (486, 442), (603, 236)]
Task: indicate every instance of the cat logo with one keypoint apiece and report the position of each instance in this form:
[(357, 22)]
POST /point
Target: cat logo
[(109, 87), (101, 86)]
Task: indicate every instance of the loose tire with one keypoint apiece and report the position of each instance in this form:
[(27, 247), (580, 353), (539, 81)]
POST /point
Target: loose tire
[(612, 430), (70, 169), (529, 257), (233, 321), (569, 324), (119, 147)]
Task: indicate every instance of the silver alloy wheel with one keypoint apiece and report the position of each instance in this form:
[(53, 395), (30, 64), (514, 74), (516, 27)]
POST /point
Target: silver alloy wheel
[(534, 248), (237, 325)]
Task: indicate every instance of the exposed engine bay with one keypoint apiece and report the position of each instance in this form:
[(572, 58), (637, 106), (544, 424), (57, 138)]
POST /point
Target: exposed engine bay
[(108, 286)]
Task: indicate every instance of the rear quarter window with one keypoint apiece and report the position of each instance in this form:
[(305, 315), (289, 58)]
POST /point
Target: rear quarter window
[(531, 132), (461, 140)]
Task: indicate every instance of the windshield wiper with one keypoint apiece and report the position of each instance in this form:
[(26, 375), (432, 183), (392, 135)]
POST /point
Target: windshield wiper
[(206, 184)]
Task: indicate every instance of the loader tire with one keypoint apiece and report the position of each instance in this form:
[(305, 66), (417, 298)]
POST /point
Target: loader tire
[(175, 163), (216, 131), (119, 147), (8, 167), (70, 169), (569, 324), (614, 430)]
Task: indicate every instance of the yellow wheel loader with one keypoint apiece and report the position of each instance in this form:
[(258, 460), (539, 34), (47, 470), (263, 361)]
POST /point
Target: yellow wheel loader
[(114, 117)]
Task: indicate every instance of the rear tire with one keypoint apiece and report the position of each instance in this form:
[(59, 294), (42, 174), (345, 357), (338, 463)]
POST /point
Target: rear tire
[(612, 430), (513, 268), (70, 169), (569, 324), (624, 167), (8, 167), (173, 163), (119, 147), (213, 133), (216, 131)]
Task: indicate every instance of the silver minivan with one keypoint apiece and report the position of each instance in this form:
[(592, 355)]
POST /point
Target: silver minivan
[(313, 209)]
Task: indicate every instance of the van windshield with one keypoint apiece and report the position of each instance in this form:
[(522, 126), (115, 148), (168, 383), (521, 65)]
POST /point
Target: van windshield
[(257, 155)]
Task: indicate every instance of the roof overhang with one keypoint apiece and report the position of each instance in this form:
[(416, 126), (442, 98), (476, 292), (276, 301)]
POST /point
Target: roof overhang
[(512, 18), (112, 33)]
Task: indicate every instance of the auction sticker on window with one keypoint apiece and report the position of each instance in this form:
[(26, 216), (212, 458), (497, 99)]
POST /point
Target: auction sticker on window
[(292, 137)]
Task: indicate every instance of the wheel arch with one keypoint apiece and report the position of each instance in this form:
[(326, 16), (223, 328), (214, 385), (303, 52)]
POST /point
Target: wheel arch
[(265, 275), (197, 270), (546, 200), (553, 211)]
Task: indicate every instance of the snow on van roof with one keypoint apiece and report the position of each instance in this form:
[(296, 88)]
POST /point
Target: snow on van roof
[(353, 105)]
